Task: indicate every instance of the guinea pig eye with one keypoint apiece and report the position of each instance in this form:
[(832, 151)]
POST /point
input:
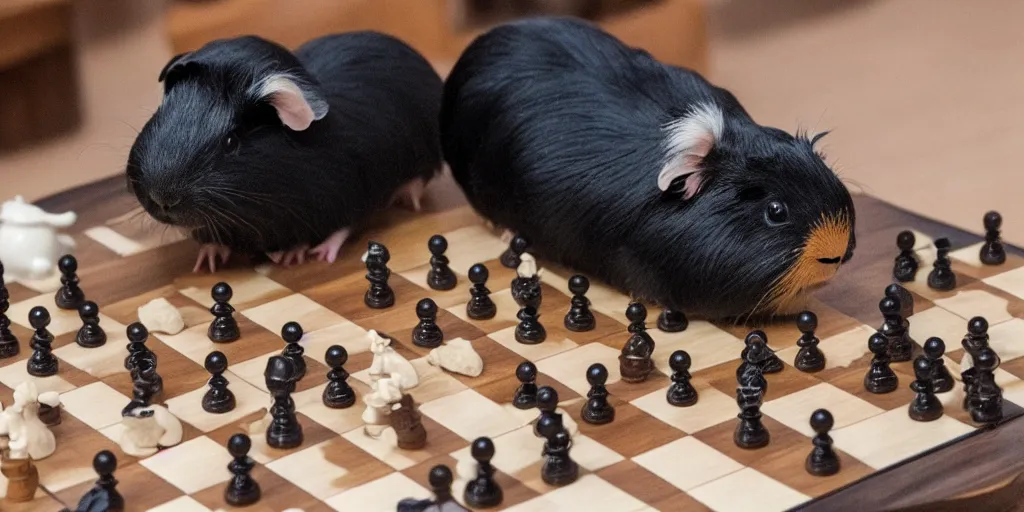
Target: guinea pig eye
[(230, 143), (776, 212)]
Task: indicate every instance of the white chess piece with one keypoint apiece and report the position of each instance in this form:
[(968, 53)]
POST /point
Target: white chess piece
[(527, 266), (29, 243), (386, 361), (149, 428), (28, 435), (385, 392)]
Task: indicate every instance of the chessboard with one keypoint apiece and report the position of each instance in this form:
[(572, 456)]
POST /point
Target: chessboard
[(652, 456)]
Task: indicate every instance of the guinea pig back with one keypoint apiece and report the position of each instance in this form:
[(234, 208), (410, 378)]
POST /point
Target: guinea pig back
[(641, 174)]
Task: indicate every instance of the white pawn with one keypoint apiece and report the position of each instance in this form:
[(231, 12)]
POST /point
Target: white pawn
[(29, 243), (147, 429), (28, 435)]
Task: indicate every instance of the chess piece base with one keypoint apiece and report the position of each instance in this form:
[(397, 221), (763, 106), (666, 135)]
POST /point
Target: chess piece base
[(242, 491), (88, 339), (50, 416), (284, 436), (633, 370), (22, 479), (427, 338), (881, 386), (525, 399), (381, 300), (681, 396), (600, 415), (530, 334), (672, 321), (750, 435), (219, 333), (810, 360), (992, 254), (822, 463), (338, 395), (481, 309), (991, 412), (559, 474), (218, 402), (480, 495), (942, 280), (44, 368), (68, 299), (925, 408), (441, 281), (8, 346), (579, 323)]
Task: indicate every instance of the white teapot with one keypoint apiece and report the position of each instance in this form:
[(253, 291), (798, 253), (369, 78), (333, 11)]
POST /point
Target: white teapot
[(29, 243)]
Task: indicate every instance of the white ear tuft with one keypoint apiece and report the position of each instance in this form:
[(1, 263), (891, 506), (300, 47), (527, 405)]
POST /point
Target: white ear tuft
[(689, 140), (296, 108)]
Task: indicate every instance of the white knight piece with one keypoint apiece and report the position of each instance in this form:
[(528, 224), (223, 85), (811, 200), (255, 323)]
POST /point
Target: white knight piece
[(27, 435), (29, 243), (386, 361), (149, 428)]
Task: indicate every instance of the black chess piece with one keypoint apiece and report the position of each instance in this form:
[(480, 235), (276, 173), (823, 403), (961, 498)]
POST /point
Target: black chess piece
[(905, 266), (559, 469), (809, 358), (635, 362), (224, 327), (90, 335), (141, 364), (579, 318), (527, 293), (218, 398), (480, 305), (823, 460), (427, 333), (104, 496), (894, 327), (516, 247), (942, 380), (766, 359), (942, 277), (241, 490), (338, 394), (992, 251), (976, 339), (379, 295), (440, 480), (880, 378), (597, 410), (985, 403), (672, 320), (8, 341), (137, 336), (547, 403), (905, 298), (526, 394), (750, 432), (681, 392), (284, 431), (925, 406), (440, 277), (70, 295), (42, 362), (483, 491), (291, 333)]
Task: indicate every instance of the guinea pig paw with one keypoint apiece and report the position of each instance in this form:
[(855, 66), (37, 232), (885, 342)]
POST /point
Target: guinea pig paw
[(328, 250), (208, 254), (288, 258)]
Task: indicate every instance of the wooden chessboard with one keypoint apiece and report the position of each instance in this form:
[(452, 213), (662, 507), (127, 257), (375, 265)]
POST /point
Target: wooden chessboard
[(652, 457)]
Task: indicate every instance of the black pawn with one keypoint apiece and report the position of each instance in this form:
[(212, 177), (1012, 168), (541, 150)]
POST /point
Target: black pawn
[(942, 380), (480, 305), (579, 318), (338, 394), (671, 320), (976, 339), (427, 333), (823, 460), (905, 266), (894, 327), (440, 277), (942, 277), (526, 394), (516, 247), (985, 402), (559, 469), (224, 327), (809, 358), (379, 295), (483, 491), (8, 341), (750, 432), (90, 335), (284, 431), (992, 251), (218, 399), (756, 351), (597, 410), (104, 495), (70, 295), (291, 333), (547, 403), (528, 293), (42, 363), (906, 299), (880, 378), (635, 363), (440, 480), (925, 406), (241, 490), (681, 392), (141, 364)]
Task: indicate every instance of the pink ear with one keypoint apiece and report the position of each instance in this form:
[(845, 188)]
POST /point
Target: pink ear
[(689, 140), (292, 105)]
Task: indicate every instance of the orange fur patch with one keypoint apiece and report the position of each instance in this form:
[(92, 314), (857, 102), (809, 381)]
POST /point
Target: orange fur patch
[(828, 239)]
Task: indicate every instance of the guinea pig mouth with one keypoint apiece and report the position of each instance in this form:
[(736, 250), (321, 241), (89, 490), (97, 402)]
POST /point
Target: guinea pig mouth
[(830, 261)]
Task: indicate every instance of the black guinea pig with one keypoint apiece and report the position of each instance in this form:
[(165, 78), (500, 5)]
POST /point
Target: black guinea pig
[(641, 174), (260, 150)]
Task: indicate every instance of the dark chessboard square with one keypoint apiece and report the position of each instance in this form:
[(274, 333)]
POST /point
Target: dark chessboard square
[(629, 391), (628, 419), (127, 311), (18, 292), (330, 468), (787, 466), (649, 488), (513, 491), (312, 432), (783, 334), (345, 296), (851, 380), (720, 437), (276, 494), (118, 279), (141, 488)]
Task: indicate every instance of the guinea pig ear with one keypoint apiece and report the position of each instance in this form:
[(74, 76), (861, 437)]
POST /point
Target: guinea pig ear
[(296, 102), (689, 141), (170, 64)]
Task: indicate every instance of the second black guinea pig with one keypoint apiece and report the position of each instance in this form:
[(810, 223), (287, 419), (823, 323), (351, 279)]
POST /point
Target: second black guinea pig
[(257, 149), (641, 174)]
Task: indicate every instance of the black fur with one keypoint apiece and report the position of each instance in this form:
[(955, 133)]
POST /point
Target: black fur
[(272, 188), (555, 130)]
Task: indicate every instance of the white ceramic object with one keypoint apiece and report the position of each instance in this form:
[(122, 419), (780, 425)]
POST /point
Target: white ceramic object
[(29, 242)]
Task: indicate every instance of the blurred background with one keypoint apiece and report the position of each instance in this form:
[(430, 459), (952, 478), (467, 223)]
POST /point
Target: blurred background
[(925, 98)]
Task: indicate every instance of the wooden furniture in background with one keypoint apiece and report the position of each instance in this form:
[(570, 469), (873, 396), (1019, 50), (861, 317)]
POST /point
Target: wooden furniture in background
[(38, 80)]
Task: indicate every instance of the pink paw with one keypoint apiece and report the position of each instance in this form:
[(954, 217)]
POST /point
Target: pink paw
[(410, 194), (209, 253), (328, 250), (287, 258)]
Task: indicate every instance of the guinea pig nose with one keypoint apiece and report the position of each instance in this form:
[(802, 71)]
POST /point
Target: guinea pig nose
[(165, 201)]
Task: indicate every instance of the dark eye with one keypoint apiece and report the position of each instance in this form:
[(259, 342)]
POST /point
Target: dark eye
[(776, 212), (231, 143)]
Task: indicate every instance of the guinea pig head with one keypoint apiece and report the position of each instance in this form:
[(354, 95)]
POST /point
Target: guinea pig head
[(221, 149), (770, 218)]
